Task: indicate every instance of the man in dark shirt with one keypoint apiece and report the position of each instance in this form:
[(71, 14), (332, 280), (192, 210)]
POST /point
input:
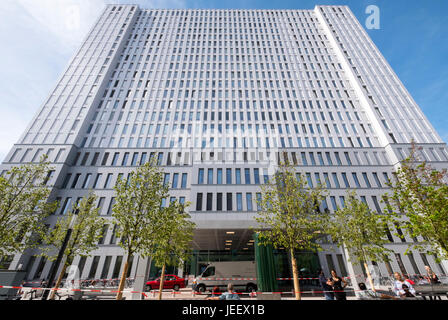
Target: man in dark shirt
[(328, 290)]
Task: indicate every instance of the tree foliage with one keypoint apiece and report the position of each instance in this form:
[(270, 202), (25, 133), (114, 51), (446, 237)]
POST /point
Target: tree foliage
[(360, 230), (174, 236), (136, 209), (147, 227), (23, 206), (419, 196), (289, 215), (86, 225)]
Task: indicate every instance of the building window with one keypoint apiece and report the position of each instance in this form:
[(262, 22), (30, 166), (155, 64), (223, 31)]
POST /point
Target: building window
[(201, 176), (134, 159), (125, 159), (209, 202), (108, 180), (249, 201), (366, 179), (66, 206), (219, 176), (229, 202), (184, 181), (239, 202), (111, 205), (117, 267), (247, 175), (86, 183), (344, 177), (219, 201), (238, 176), (210, 176), (199, 202), (103, 234), (106, 266), (115, 159), (175, 180), (229, 176), (400, 263), (94, 267), (257, 176), (75, 181)]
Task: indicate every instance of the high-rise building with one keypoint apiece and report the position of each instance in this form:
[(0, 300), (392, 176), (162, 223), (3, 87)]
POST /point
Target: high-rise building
[(218, 97)]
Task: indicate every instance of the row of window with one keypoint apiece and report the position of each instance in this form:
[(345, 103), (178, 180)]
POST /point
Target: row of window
[(228, 200), (66, 205), (179, 180), (117, 267), (297, 158), (215, 201), (211, 179)]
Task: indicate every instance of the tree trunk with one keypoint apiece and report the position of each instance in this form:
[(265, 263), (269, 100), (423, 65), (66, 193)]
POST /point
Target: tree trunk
[(58, 282), (123, 279), (295, 273), (162, 280), (369, 276)]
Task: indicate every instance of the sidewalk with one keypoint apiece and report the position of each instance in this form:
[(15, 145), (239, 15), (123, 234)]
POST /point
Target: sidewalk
[(187, 294)]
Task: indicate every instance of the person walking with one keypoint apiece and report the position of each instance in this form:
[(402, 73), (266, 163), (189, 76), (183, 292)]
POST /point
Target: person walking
[(338, 285), (325, 285), (229, 295)]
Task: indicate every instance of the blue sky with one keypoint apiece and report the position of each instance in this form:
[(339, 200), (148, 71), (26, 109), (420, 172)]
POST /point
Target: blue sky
[(40, 36)]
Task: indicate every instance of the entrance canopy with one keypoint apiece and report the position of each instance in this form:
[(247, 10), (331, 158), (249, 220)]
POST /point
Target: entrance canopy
[(223, 239)]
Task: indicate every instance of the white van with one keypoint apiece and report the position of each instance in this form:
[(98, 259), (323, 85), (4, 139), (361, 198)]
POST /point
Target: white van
[(242, 274)]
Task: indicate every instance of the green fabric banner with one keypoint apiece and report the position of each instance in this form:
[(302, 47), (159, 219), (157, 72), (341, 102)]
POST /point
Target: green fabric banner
[(266, 272)]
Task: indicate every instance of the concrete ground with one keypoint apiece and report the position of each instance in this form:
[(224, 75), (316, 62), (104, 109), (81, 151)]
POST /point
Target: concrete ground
[(187, 294)]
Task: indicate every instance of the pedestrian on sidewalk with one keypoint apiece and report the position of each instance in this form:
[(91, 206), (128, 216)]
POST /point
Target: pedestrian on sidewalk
[(431, 276), (338, 285), (399, 283), (325, 284), (433, 280)]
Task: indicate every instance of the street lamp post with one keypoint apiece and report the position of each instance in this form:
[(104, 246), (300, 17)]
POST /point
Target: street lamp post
[(56, 264)]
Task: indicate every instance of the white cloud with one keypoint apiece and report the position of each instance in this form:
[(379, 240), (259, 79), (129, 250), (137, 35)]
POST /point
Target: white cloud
[(38, 39), (67, 20), (41, 36)]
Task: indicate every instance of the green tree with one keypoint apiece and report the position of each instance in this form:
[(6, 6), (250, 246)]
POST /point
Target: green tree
[(419, 198), (23, 206), (85, 226), (361, 231), (289, 215), (135, 213), (173, 238)]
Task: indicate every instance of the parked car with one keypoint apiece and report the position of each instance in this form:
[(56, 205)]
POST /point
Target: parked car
[(171, 282)]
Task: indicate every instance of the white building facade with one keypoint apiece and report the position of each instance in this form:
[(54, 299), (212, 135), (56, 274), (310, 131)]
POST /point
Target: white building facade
[(219, 97)]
